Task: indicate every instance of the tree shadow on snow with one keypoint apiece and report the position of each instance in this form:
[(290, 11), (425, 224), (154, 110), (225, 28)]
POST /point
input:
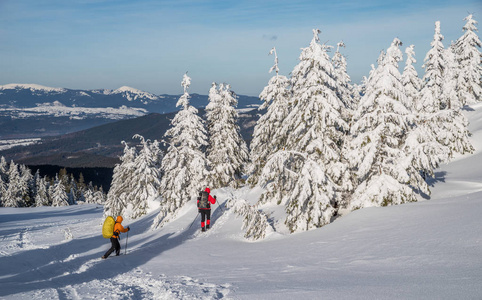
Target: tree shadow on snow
[(66, 264)]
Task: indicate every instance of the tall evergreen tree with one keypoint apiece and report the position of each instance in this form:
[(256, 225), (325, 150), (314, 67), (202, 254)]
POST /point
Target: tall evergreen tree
[(380, 126), (421, 146), (314, 130), (469, 79), (227, 151), (13, 196), (435, 65), (438, 113), (145, 179), (266, 136), (25, 186), (184, 167), (120, 187)]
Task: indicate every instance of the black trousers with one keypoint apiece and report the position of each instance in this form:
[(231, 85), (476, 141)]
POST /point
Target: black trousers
[(205, 215), (115, 246)]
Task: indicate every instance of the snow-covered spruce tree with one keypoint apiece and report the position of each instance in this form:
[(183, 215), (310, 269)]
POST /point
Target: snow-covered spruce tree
[(121, 184), (421, 146), (13, 196), (57, 193), (227, 151), (436, 107), (26, 186), (41, 187), (145, 180), (184, 167), (381, 123), (469, 82), (314, 131), (435, 65), (316, 124), (266, 136)]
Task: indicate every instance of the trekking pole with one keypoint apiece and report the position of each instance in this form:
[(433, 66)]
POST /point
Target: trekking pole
[(127, 237), (194, 220)]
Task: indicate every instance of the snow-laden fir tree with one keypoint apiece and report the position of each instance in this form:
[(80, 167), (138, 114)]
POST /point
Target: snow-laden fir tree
[(57, 193), (450, 83), (437, 107), (3, 166), (184, 167), (314, 131), (316, 123), (266, 136), (227, 151), (469, 77), (421, 145), (41, 187), (26, 186), (435, 65), (145, 179), (381, 123), (13, 196), (121, 184)]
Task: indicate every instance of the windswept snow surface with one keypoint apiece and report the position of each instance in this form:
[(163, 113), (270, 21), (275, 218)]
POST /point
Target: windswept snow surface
[(425, 250)]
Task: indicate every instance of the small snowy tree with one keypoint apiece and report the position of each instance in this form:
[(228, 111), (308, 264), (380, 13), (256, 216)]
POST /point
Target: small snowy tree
[(266, 136), (255, 222), (469, 79), (41, 196), (184, 167), (57, 193)]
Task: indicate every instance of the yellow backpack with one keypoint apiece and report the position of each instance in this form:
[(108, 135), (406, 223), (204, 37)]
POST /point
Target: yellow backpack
[(108, 227)]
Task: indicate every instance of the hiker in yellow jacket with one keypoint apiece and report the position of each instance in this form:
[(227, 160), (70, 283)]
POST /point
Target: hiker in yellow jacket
[(118, 228)]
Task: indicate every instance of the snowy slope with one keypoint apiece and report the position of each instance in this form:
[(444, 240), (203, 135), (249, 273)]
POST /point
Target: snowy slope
[(425, 250)]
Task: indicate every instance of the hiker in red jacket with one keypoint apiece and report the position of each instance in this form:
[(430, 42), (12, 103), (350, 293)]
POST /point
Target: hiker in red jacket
[(204, 202)]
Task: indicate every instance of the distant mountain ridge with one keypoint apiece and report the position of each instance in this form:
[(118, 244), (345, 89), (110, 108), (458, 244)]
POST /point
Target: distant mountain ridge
[(32, 110)]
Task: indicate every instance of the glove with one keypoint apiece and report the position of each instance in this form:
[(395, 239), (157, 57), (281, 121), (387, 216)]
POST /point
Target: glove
[(215, 197), (128, 228)]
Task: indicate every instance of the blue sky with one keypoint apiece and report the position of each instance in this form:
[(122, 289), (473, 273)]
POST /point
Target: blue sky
[(149, 45)]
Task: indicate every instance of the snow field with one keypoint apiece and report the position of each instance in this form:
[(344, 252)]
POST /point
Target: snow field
[(424, 250)]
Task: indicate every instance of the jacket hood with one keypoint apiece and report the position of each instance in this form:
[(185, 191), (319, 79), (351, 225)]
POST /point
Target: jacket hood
[(119, 219), (207, 190)]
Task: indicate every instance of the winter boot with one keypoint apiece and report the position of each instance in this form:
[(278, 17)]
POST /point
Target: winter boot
[(103, 257), (207, 226), (203, 229)]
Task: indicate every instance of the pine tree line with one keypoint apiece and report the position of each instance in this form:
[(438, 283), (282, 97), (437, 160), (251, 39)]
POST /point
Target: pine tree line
[(323, 145), (19, 188)]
